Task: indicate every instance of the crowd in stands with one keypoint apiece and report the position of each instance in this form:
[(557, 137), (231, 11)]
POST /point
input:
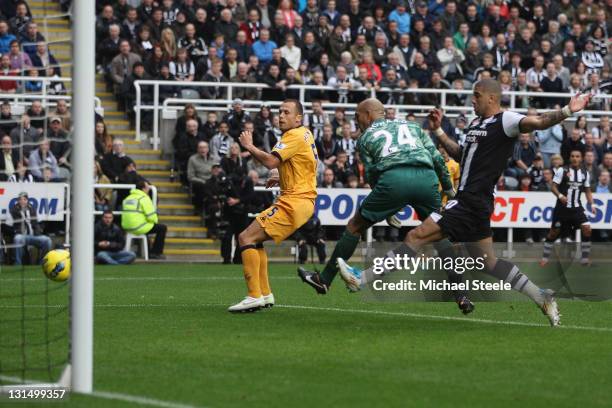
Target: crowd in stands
[(353, 47)]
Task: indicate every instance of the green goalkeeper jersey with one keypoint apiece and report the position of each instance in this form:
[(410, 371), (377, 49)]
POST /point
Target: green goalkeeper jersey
[(393, 143)]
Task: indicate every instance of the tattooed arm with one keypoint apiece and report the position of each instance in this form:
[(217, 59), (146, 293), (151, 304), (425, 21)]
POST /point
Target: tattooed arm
[(435, 121), (548, 119)]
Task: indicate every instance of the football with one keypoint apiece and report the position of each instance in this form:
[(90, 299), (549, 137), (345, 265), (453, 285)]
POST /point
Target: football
[(56, 265)]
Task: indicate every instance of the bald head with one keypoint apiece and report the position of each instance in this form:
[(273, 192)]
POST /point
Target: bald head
[(368, 111)]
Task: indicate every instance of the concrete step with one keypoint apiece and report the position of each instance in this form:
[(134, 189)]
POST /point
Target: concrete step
[(113, 114), (201, 241), (143, 152), (168, 187), (152, 164), (186, 231), (191, 219), (192, 252), (125, 133), (173, 210), (155, 173), (168, 196)]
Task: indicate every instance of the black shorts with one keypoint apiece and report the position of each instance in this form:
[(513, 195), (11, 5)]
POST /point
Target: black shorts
[(568, 220), (466, 218)]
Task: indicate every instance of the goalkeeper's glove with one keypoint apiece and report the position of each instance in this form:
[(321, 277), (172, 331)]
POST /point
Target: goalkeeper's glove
[(393, 221), (450, 193)]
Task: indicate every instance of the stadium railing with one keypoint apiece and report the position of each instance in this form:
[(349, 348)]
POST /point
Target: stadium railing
[(158, 106), (19, 99)]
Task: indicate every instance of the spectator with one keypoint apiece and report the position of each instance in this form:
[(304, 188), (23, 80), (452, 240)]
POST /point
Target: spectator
[(451, 59), (189, 112), (337, 44), (114, 163), (524, 154), (31, 38), (329, 180), (275, 82), (41, 158), (28, 231), (143, 45), (155, 60), (603, 183), (7, 86), (140, 217), (102, 196), (103, 140), (225, 25), (551, 83), (236, 118), (313, 234), (209, 129), (21, 174), (62, 112), (7, 121), (121, 67), (291, 52), (242, 47), (185, 145), (168, 43), (243, 76), (574, 142), (60, 145), (109, 242), (108, 49), (199, 170), (128, 93), (549, 142), (606, 164), (37, 115), (220, 143), (5, 37), (590, 165), (402, 18), (233, 164), (263, 47), (183, 69), (25, 136), (214, 75), (8, 159), (230, 65)]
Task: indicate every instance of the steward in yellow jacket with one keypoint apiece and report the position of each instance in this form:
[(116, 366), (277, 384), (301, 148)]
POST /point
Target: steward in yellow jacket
[(139, 217)]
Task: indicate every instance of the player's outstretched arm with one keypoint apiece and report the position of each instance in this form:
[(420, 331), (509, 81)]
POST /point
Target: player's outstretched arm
[(435, 123), (548, 119), (267, 159)]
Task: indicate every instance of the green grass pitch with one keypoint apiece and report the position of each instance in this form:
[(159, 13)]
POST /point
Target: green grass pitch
[(162, 332)]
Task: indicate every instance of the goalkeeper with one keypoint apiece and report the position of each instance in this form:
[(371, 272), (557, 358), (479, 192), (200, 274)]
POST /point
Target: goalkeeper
[(403, 168)]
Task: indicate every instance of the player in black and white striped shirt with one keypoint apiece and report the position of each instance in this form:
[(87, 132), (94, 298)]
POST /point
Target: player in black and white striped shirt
[(467, 218), (569, 215)]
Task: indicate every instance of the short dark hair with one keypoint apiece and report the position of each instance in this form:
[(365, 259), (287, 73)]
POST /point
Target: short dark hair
[(108, 212), (141, 184), (298, 105)]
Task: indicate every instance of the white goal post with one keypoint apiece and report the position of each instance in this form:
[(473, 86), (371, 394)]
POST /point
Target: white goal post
[(84, 83)]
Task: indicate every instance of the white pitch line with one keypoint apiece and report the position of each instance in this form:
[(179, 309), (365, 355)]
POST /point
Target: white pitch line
[(340, 310), (138, 399)]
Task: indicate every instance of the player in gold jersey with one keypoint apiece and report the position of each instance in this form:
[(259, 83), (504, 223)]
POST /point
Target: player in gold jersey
[(295, 157)]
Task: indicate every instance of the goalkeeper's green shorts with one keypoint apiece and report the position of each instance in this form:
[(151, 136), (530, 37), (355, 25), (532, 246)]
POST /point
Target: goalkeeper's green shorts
[(401, 186)]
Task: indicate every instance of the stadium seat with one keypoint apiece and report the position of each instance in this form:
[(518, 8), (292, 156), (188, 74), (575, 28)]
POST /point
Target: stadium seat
[(144, 244)]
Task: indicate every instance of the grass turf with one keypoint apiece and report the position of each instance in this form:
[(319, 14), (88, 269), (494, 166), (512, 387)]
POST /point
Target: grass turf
[(162, 332)]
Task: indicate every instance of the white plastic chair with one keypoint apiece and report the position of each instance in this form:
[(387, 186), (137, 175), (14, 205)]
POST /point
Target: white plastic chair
[(144, 244)]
